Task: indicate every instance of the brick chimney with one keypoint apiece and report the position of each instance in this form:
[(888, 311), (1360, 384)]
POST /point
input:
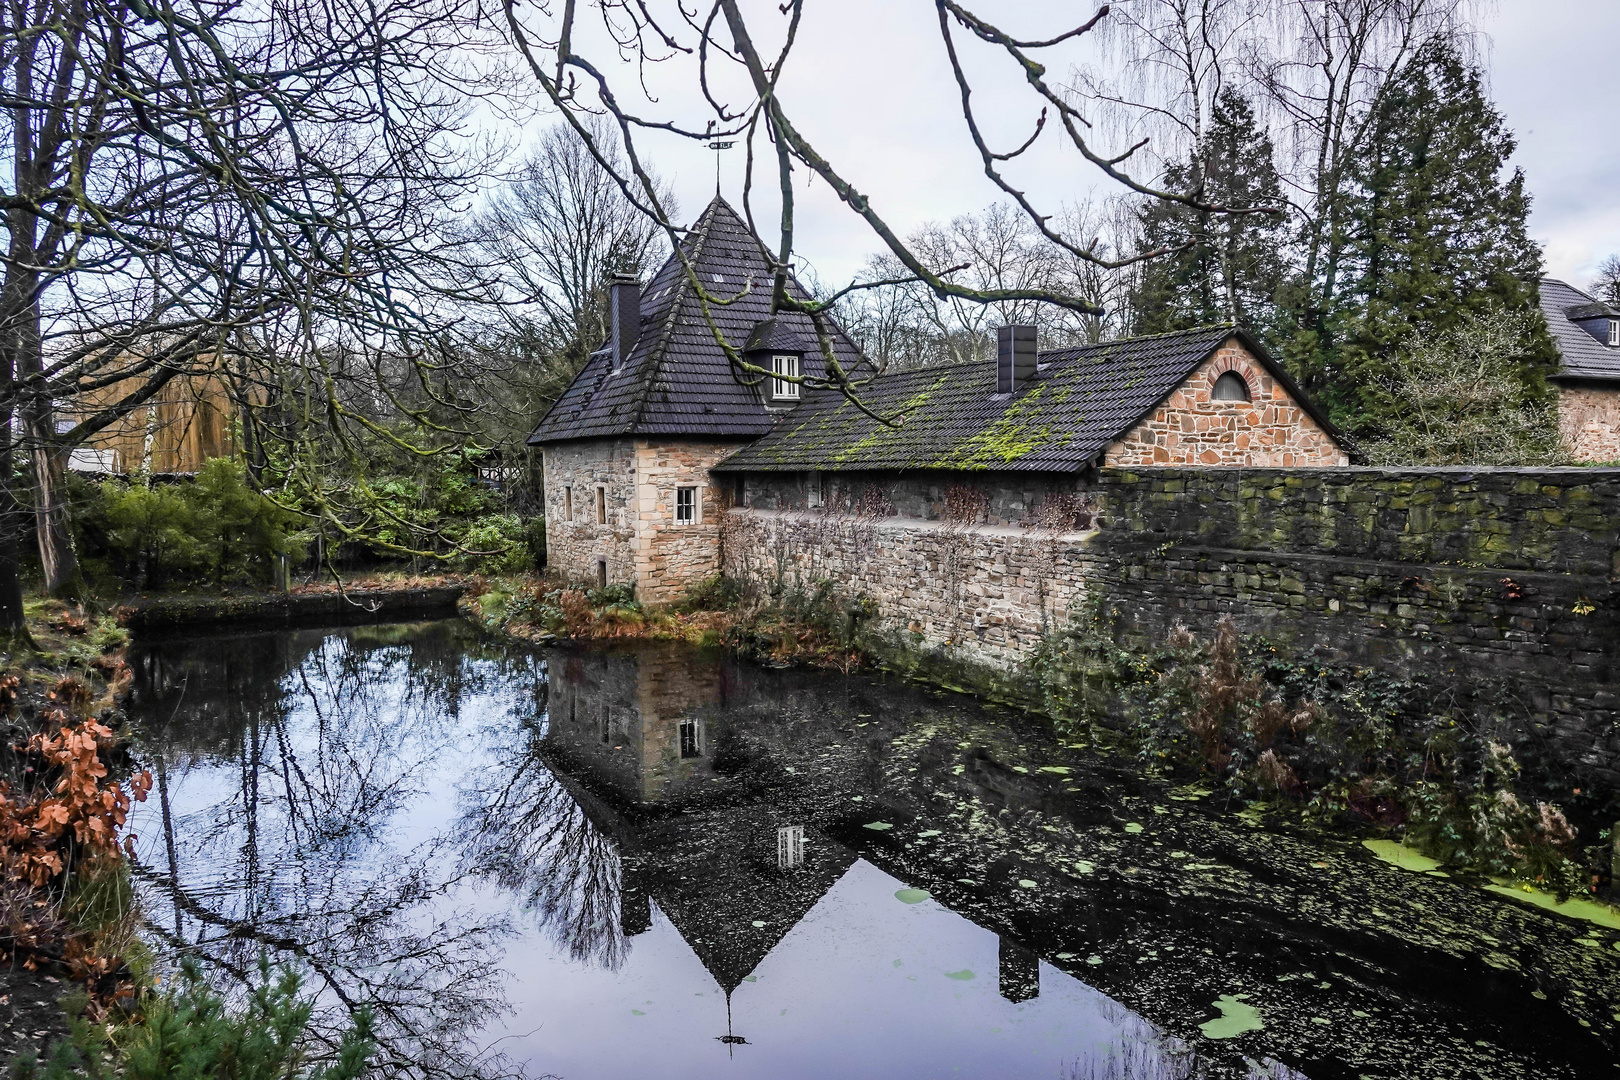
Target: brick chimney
[(1015, 357), (625, 290)]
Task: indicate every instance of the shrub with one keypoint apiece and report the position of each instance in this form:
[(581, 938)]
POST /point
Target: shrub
[(497, 544), (188, 1033)]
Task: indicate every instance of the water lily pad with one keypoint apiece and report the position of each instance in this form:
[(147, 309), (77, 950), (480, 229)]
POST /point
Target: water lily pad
[(1237, 1016), (960, 976), (1083, 867), (877, 826), (1094, 960), (1020, 768), (1060, 770), (759, 922), (1065, 956), (1025, 883), (927, 833), (911, 896), (1133, 826)]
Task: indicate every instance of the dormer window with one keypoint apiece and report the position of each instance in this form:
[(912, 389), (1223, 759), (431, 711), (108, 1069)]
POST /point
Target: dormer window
[(1614, 333), (784, 373)]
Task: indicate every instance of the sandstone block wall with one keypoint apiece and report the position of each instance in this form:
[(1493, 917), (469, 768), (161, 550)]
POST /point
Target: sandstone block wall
[(669, 557), (1589, 417), (1189, 428), (574, 544), (989, 591), (640, 541)]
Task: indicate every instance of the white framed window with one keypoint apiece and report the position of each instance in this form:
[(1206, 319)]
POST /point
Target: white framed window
[(790, 846), (688, 506), (1614, 332), (568, 504), (691, 738), (784, 368), (601, 506)]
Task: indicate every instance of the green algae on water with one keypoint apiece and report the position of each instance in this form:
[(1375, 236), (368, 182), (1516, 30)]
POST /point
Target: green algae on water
[(1133, 826), (911, 896), (1237, 1016), (960, 976), (1575, 907), (877, 826), (1398, 854)]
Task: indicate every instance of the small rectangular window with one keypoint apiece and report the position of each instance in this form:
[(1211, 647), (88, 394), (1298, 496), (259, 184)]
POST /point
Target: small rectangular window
[(601, 573), (815, 489), (568, 504), (601, 506), (1614, 332), (691, 738), (785, 368), (739, 494), (688, 508)]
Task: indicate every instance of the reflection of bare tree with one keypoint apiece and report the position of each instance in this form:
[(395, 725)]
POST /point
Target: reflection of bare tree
[(290, 829), (1140, 1051), (530, 834)]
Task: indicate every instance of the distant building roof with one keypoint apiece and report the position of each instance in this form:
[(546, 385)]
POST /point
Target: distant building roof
[(678, 380), (1584, 356), (1078, 402)]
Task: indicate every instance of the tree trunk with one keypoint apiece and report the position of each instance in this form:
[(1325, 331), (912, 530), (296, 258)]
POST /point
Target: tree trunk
[(13, 623), (52, 524)]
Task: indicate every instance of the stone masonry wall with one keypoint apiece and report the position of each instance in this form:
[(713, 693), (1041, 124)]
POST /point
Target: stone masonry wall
[(574, 545), (1188, 428), (1491, 577), (989, 591), (669, 557), (640, 540), (1589, 417)]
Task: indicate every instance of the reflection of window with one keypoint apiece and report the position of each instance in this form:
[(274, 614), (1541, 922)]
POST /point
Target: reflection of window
[(688, 508), (1230, 387), (607, 724), (785, 368), (691, 738), (790, 846)]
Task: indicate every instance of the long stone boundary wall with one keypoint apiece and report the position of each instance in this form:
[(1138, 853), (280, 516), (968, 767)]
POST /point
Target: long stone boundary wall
[(1502, 576)]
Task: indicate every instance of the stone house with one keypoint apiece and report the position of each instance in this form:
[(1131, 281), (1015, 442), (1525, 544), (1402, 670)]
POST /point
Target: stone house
[(659, 436), (1588, 335), (627, 449)]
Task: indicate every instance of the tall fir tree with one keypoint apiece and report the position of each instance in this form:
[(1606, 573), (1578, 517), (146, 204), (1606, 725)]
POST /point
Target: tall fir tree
[(1437, 235), (1229, 266)]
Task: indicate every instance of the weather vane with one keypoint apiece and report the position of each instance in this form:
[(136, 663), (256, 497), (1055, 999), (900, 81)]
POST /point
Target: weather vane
[(717, 147)]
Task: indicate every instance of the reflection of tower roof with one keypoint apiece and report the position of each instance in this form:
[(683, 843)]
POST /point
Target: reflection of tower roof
[(715, 877)]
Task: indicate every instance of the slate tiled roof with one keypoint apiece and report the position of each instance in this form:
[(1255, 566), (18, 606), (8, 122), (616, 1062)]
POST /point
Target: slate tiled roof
[(1584, 356), (1080, 400), (677, 380)]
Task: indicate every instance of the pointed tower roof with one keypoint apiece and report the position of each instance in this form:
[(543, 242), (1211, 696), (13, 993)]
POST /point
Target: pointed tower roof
[(677, 380)]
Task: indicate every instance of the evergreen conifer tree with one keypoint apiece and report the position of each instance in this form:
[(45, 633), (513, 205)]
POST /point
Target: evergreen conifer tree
[(1230, 265), (1438, 236)]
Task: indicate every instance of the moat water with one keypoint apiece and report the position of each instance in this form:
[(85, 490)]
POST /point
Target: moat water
[(654, 863)]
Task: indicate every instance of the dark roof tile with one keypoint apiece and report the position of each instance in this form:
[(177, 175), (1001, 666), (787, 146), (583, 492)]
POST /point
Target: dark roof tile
[(1584, 356)]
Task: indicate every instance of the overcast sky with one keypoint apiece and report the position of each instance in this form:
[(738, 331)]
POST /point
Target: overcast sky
[(870, 86)]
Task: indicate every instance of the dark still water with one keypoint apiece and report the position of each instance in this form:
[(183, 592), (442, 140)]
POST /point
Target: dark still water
[(656, 863)]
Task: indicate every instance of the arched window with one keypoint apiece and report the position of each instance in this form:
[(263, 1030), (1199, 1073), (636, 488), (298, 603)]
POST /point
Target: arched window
[(1230, 387)]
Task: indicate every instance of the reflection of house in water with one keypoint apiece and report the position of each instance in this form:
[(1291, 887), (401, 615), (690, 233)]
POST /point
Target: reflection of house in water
[(633, 731), (634, 721)]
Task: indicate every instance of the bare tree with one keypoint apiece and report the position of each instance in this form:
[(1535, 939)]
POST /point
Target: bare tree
[(732, 53), (1606, 282), (192, 179)]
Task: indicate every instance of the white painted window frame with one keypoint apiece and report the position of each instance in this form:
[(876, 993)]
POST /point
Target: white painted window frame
[(697, 504), (789, 365), (1614, 333)]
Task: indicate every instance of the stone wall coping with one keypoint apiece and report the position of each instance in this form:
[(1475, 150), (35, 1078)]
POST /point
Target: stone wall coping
[(1561, 472), (916, 524)]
